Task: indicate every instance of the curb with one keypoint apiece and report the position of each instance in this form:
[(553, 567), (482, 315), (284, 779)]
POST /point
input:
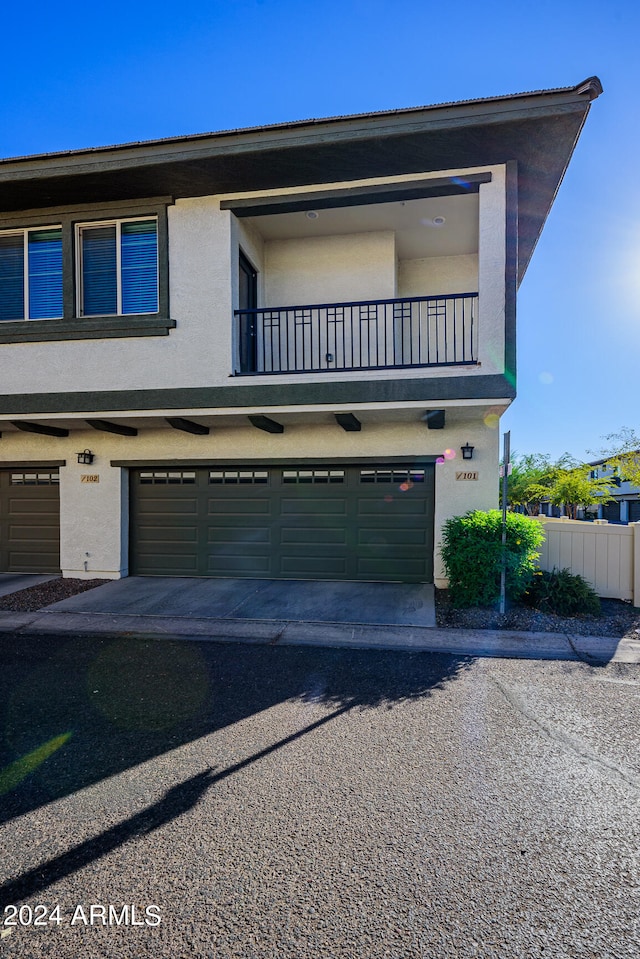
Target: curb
[(592, 650)]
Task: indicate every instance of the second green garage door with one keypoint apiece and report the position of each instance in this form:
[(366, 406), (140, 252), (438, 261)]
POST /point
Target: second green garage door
[(342, 522), (29, 520)]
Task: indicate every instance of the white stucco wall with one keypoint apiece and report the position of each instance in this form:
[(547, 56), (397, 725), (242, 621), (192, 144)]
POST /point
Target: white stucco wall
[(94, 525), (330, 269), (491, 272), (438, 275), (203, 245)]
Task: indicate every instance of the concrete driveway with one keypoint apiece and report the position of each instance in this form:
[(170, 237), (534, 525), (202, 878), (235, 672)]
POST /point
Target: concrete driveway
[(303, 601), (12, 582)]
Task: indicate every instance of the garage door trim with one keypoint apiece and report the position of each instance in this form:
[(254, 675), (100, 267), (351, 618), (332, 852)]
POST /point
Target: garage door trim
[(187, 520)]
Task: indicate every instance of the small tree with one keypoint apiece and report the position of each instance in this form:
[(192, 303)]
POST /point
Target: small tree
[(527, 471), (623, 454), (576, 487), (533, 477)]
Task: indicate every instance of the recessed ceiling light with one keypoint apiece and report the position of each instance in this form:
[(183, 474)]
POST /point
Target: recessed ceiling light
[(439, 221), (311, 215)]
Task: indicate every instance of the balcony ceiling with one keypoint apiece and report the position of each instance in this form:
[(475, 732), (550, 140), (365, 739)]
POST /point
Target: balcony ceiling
[(412, 221)]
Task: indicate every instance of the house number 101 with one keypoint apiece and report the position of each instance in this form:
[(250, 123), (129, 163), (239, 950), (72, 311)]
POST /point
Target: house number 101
[(466, 476)]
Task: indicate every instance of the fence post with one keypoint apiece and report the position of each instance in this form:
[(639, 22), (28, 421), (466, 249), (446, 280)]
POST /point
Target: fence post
[(636, 563)]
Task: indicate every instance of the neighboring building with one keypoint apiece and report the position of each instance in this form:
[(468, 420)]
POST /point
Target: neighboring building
[(625, 505), (266, 339)]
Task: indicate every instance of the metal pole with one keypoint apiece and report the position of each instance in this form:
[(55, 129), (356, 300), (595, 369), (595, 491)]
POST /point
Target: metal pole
[(506, 456)]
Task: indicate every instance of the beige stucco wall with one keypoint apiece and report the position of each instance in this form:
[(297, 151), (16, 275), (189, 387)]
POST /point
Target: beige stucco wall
[(454, 497), (438, 275), (330, 269), (94, 517)]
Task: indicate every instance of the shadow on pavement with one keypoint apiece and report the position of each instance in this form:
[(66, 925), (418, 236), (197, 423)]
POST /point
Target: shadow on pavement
[(176, 801), (74, 712)]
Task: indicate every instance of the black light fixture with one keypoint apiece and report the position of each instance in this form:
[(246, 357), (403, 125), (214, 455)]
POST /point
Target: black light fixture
[(467, 452), (85, 457)]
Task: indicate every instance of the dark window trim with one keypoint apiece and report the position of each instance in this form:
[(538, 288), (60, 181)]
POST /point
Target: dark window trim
[(71, 326), (91, 328)]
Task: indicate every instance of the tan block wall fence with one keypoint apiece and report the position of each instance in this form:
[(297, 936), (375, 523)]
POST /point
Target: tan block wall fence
[(606, 555)]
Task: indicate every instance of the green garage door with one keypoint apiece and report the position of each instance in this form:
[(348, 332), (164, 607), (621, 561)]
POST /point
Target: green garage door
[(634, 511), (354, 523), (29, 521)]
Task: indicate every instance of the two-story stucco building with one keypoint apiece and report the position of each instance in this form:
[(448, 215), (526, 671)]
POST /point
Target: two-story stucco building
[(271, 345)]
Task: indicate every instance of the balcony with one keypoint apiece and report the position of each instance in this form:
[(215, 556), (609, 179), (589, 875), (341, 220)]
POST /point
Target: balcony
[(406, 333)]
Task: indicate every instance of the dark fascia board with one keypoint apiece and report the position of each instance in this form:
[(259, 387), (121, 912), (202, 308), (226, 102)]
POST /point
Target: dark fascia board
[(329, 393), (355, 196), (378, 124), (538, 130)]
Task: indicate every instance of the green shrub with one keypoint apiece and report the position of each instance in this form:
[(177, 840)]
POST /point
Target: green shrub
[(472, 556), (561, 592)]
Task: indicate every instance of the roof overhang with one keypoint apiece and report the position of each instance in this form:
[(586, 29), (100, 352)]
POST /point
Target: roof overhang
[(537, 130)]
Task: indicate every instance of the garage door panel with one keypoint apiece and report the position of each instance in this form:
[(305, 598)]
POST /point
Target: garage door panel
[(169, 534), (219, 535), (327, 567), (221, 564), (31, 507), (32, 561), (32, 534), (169, 508), (313, 535), (398, 506), (239, 507), (316, 506), (392, 537), (172, 563), (388, 568)]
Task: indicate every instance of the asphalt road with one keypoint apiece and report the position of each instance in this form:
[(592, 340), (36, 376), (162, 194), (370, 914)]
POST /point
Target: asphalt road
[(254, 801)]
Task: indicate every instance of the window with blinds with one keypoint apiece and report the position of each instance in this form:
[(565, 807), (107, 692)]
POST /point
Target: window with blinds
[(31, 274), (118, 267)]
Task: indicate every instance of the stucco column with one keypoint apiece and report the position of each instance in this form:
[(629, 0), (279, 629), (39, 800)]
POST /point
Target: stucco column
[(93, 521)]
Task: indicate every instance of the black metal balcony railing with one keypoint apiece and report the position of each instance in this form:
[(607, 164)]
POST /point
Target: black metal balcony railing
[(375, 334)]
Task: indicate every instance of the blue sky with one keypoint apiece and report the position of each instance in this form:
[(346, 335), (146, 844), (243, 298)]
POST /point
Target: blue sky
[(79, 75)]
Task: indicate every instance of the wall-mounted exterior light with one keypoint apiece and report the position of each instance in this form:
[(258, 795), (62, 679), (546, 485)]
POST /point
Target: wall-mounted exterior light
[(467, 451), (85, 457)]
